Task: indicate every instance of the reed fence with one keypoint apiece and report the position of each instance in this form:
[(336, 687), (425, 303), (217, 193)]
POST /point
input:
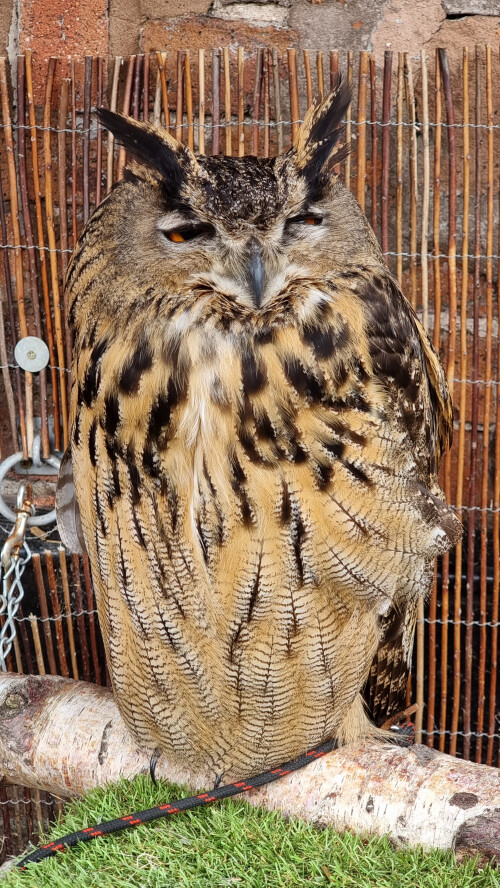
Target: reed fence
[(424, 167)]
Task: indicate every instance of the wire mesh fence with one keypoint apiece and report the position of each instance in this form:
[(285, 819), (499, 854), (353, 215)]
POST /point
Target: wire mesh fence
[(424, 167)]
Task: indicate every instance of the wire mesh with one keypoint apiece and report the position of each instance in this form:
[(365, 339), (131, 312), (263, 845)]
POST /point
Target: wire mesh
[(423, 164)]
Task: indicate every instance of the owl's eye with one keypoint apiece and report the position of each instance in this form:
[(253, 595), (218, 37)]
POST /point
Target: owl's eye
[(187, 232), (309, 219)]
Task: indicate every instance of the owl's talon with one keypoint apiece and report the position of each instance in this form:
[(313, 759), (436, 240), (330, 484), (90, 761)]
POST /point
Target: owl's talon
[(152, 765), (218, 780), (405, 735)]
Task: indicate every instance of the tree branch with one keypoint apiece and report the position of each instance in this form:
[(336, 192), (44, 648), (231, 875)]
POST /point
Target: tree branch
[(67, 737)]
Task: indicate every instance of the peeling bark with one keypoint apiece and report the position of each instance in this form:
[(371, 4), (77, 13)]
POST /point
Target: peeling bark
[(67, 737)]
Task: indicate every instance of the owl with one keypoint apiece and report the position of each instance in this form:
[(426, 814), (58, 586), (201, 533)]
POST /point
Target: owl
[(257, 419)]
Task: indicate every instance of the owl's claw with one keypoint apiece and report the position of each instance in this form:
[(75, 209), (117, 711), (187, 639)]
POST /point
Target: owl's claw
[(217, 781), (405, 735), (152, 764)]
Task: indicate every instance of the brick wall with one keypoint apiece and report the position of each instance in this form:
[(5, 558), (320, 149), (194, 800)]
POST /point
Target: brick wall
[(72, 28)]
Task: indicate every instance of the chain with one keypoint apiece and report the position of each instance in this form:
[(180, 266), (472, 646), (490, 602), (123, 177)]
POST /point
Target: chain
[(12, 565)]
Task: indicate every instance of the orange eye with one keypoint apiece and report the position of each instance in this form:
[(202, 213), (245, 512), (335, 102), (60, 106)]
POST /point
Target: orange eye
[(188, 232), (305, 220)]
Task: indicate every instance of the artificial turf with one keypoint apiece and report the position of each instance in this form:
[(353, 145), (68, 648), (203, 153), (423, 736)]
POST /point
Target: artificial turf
[(230, 844)]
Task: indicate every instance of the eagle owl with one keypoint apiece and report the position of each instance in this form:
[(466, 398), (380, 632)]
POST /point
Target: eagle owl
[(257, 420)]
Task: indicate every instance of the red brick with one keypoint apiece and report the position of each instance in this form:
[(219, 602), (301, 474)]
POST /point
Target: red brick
[(68, 29)]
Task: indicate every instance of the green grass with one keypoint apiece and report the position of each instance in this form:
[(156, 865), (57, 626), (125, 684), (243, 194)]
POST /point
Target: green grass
[(230, 844)]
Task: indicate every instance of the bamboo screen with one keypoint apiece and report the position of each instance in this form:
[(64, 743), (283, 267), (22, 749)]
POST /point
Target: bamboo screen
[(423, 165)]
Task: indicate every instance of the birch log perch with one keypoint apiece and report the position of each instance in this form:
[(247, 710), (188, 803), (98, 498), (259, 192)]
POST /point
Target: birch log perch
[(67, 737)]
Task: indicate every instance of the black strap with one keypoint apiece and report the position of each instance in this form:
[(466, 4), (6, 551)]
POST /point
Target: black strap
[(204, 798)]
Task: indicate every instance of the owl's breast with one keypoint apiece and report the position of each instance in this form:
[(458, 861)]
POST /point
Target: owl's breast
[(250, 508)]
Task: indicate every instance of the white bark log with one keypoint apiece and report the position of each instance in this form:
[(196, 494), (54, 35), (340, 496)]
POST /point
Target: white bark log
[(67, 737)]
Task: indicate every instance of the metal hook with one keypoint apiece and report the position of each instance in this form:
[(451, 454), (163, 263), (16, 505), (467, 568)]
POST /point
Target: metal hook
[(24, 510)]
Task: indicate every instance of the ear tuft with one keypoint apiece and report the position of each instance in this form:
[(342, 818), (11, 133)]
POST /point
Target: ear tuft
[(150, 145), (320, 132)]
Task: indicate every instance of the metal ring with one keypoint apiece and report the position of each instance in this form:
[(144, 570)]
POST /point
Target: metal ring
[(36, 451), (40, 461), (40, 520)]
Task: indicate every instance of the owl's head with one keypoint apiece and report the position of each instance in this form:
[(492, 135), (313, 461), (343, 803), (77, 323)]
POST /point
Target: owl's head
[(244, 230)]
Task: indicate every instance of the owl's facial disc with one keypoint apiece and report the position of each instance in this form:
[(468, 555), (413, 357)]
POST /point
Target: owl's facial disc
[(256, 269), (247, 266)]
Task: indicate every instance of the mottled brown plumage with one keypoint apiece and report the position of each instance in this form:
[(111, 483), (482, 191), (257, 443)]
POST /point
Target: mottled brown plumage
[(257, 421)]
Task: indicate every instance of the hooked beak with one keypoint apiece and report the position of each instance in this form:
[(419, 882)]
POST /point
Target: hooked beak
[(256, 273)]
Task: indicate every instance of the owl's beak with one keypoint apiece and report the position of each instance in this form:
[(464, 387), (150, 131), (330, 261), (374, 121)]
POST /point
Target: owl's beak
[(255, 272)]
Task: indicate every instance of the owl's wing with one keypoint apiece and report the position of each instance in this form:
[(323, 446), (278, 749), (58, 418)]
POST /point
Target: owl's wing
[(67, 510), (385, 692)]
